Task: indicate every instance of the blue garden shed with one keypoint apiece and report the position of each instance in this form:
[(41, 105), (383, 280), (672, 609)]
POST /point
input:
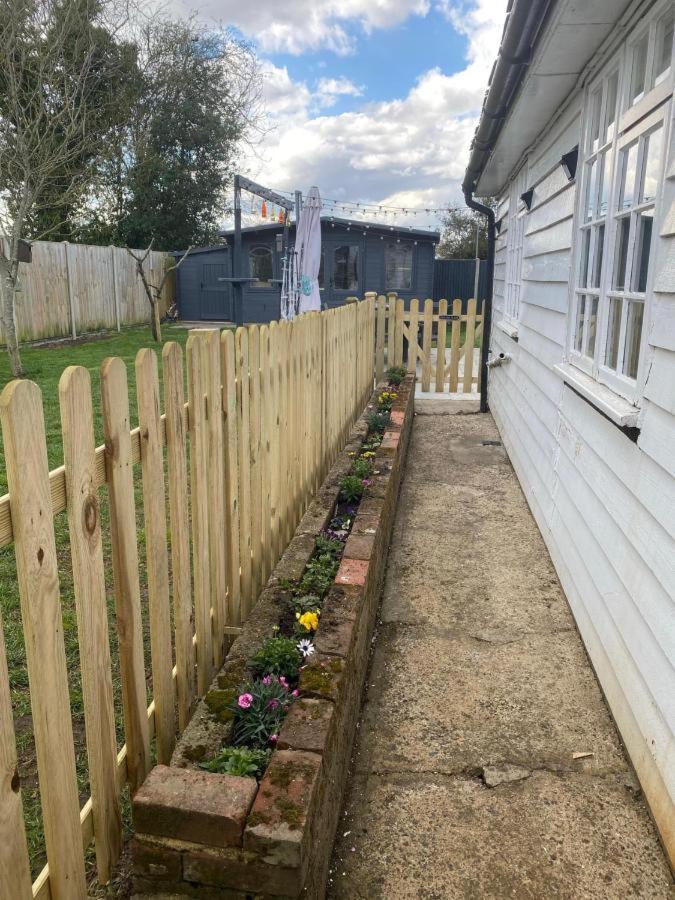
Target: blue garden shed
[(356, 257)]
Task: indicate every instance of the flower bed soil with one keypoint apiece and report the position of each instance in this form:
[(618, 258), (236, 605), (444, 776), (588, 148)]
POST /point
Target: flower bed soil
[(209, 835)]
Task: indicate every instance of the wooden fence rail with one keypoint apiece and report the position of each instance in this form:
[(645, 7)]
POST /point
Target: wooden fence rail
[(419, 340), (72, 289), (268, 410)]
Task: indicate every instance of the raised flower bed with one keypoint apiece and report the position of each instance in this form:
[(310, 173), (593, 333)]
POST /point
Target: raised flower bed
[(250, 803)]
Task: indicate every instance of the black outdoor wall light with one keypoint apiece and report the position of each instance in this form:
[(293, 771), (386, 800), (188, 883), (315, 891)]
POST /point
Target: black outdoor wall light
[(527, 198), (569, 163)]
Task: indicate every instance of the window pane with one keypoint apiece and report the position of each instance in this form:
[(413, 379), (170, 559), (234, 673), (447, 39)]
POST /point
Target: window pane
[(592, 323), (398, 266), (591, 190), (623, 229), (595, 121), (610, 107), (645, 222), (345, 267), (613, 332), (585, 252), (639, 69), (628, 173), (260, 261), (597, 256), (604, 185), (664, 47), (652, 165), (633, 335), (581, 311)]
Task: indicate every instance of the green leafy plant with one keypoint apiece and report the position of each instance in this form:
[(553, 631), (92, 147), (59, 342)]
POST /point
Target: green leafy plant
[(351, 489), (362, 467), (395, 374), (277, 656), (246, 761), (319, 574), (378, 421), (325, 544), (306, 603), (258, 709)]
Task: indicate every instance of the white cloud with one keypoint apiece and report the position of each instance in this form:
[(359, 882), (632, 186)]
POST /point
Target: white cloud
[(410, 151), (303, 25), (329, 89)]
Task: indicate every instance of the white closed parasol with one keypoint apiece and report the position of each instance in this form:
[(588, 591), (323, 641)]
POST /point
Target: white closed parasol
[(308, 255)]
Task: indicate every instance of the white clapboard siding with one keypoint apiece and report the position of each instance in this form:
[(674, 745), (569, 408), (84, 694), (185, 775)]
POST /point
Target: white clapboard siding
[(605, 505)]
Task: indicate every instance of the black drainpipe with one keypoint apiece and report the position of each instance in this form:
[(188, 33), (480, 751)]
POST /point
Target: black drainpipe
[(487, 299)]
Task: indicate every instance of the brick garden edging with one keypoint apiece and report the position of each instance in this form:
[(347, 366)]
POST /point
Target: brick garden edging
[(220, 836)]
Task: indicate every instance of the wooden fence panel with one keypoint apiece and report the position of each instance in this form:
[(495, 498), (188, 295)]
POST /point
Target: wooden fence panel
[(25, 447), (440, 345), (244, 456), (15, 882), (231, 462), (174, 402), (157, 554), (84, 522), (119, 475)]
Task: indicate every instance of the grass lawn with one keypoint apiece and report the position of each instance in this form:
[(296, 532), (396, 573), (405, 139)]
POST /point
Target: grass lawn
[(45, 365)]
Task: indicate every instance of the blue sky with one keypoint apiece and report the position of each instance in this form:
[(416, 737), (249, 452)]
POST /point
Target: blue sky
[(371, 100)]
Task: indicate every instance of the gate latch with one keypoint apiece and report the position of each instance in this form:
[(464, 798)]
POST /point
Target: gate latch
[(449, 318)]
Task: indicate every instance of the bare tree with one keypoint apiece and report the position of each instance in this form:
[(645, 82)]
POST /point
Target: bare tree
[(154, 291), (56, 88)]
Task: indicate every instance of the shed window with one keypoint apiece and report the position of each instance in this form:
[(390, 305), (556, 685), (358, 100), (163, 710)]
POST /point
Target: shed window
[(398, 262), (621, 174), (346, 267), (514, 247), (260, 263)]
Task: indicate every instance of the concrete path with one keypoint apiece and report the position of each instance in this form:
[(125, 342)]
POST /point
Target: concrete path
[(465, 782)]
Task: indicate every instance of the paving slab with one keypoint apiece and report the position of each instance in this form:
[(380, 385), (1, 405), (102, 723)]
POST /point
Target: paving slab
[(487, 763)]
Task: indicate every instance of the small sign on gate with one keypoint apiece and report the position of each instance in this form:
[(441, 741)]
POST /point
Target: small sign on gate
[(449, 318)]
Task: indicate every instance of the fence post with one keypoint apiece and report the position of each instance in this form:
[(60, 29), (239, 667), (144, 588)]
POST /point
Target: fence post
[(391, 326), (116, 293), (71, 299)]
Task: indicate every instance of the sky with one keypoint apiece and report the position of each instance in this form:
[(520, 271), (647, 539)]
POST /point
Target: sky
[(373, 101)]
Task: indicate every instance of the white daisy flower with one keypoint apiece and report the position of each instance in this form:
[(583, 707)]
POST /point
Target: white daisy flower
[(306, 647)]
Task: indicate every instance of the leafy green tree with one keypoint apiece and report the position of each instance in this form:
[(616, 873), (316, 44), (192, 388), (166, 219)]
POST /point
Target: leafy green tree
[(458, 238)]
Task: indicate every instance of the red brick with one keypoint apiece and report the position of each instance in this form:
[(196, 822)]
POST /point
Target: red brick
[(359, 546), (238, 870), (397, 416), (352, 571), (307, 726), (152, 859), (323, 678), (364, 524), (189, 805), (390, 440), (276, 827)]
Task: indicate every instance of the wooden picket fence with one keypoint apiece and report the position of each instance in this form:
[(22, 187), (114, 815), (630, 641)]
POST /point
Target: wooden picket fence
[(268, 408), (455, 368)]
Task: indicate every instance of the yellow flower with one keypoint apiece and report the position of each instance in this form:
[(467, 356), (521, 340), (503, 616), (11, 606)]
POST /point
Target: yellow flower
[(309, 621), (367, 454)]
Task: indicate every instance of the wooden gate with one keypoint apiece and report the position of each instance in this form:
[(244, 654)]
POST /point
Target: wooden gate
[(442, 348)]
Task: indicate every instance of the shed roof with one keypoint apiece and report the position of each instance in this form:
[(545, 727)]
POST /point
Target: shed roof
[(375, 227)]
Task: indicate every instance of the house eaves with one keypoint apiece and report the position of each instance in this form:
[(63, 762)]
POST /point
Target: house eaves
[(526, 90)]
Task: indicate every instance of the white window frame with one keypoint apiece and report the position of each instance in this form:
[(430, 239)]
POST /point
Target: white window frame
[(654, 112), (515, 237)]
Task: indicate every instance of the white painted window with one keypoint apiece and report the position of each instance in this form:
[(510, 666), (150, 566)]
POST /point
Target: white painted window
[(621, 171), (514, 247)]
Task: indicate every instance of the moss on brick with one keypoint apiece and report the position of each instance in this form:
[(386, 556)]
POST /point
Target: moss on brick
[(290, 812), (219, 703)]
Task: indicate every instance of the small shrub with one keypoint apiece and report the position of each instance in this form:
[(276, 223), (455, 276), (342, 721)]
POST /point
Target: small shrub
[(385, 400), (395, 374), (277, 656), (362, 467), (258, 709), (351, 489), (378, 421), (246, 761)]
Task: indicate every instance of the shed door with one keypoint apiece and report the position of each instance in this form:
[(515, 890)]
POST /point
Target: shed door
[(216, 295)]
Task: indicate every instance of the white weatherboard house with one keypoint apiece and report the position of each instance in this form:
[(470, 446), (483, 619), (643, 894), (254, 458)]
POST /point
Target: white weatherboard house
[(576, 141)]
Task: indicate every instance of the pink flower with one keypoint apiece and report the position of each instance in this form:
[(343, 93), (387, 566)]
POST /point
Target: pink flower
[(282, 681), (273, 703), (267, 679), (296, 693), (365, 482), (273, 738), (245, 700)]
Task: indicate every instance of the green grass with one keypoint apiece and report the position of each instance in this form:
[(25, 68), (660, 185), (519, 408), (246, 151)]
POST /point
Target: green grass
[(44, 365)]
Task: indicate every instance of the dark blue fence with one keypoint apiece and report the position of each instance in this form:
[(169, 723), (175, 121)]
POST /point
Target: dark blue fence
[(454, 279)]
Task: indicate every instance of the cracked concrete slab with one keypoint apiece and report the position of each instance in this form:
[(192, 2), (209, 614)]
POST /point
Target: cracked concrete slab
[(464, 779)]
